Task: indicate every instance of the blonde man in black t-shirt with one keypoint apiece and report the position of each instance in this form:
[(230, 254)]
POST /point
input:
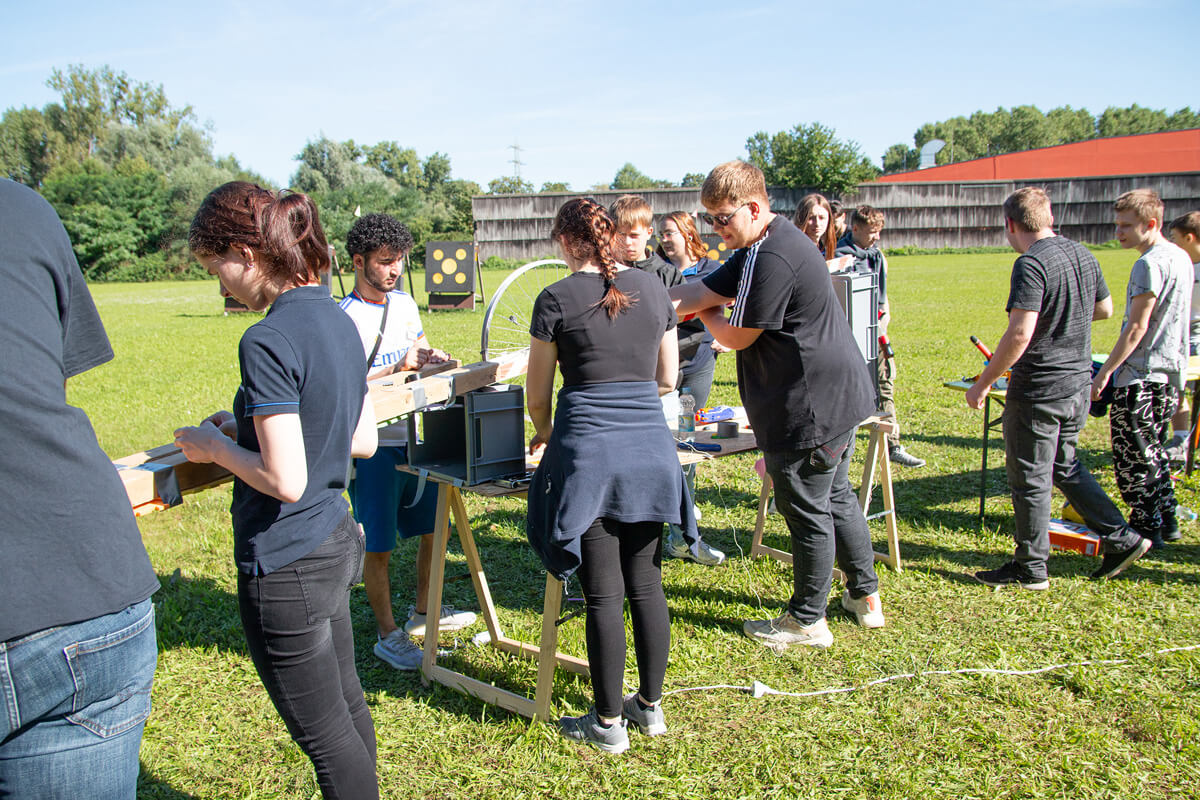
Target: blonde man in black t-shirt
[(1056, 291), (805, 387)]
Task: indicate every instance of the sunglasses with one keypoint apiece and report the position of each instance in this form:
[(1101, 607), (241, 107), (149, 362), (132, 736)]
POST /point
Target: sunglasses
[(720, 219)]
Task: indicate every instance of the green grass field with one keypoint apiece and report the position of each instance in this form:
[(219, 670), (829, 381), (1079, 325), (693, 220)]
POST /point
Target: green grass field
[(1126, 729)]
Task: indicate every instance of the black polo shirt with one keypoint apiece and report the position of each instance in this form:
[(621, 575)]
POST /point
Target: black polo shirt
[(803, 381), (304, 357), (71, 550)]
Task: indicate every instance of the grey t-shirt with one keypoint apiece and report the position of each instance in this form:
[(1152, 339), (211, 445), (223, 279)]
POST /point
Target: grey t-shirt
[(1164, 271), (1062, 282), (71, 548)]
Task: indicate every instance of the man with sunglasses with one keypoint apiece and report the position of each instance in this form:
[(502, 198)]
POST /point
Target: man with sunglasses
[(805, 387)]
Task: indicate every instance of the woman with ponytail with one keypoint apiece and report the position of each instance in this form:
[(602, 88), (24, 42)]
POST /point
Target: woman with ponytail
[(298, 417), (609, 477)]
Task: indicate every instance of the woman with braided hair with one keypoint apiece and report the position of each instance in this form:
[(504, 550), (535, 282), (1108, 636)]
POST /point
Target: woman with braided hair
[(609, 477), (298, 416)]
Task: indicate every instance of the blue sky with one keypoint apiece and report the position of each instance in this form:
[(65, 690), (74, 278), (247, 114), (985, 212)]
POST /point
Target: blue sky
[(585, 87)]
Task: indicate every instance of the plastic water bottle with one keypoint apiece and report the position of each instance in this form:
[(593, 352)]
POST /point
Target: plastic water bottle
[(687, 412)]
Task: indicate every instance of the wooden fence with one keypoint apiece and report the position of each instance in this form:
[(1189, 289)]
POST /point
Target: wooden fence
[(921, 214)]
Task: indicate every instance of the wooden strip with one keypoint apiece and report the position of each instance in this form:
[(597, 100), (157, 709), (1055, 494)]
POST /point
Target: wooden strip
[(390, 396), (486, 692)]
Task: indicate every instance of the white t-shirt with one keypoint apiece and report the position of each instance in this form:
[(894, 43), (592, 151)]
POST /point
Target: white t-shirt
[(402, 332)]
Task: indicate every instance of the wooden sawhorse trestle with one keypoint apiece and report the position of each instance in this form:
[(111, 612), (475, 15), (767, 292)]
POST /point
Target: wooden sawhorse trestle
[(450, 501), (876, 461)]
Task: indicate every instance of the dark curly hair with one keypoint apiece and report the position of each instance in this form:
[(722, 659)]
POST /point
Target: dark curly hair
[(375, 231)]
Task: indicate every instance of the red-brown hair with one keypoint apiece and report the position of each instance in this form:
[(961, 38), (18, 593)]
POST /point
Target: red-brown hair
[(683, 221), (585, 230), (284, 229)]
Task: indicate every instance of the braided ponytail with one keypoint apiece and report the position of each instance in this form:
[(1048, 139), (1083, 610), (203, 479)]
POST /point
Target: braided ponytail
[(586, 231)]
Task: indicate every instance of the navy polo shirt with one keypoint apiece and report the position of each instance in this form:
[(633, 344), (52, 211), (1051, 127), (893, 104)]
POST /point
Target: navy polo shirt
[(304, 357)]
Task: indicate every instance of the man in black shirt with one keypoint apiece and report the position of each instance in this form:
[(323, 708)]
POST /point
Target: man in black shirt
[(1056, 291), (805, 387)]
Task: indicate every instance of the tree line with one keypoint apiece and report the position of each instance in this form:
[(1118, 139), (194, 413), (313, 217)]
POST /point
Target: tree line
[(1009, 130), (125, 169)]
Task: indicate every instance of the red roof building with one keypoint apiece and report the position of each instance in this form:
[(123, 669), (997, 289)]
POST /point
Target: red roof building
[(1144, 154)]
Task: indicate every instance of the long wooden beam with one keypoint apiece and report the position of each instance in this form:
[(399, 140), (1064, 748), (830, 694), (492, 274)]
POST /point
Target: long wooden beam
[(158, 478)]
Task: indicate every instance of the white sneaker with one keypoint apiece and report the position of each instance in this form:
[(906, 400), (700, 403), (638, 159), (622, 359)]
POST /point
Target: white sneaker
[(867, 610), (785, 630), (451, 620), (399, 651)]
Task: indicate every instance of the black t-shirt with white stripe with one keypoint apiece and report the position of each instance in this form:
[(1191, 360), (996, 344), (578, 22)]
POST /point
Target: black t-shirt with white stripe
[(803, 381)]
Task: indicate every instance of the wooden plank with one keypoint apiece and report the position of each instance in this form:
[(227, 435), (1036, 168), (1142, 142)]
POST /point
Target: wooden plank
[(392, 396)]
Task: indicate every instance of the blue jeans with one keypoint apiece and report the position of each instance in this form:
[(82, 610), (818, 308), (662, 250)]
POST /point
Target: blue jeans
[(813, 494), (73, 702), (297, 624)]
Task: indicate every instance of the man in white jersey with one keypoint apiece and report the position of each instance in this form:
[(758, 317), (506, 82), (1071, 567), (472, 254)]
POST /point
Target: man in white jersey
[(388, 502)]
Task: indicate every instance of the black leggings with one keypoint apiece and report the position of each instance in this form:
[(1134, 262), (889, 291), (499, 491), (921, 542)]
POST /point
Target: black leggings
[(619, 560)]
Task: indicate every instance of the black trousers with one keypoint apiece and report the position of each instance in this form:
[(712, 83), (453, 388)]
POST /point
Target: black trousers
[(619, 560), (297, 623)]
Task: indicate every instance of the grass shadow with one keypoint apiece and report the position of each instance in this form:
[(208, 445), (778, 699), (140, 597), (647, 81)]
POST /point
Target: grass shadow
[(152, 788), (195, 612)]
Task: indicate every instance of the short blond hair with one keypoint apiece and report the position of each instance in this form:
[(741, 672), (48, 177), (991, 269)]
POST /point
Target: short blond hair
[(735, 182), (631, 211), (1144, 203), (1029, 209)]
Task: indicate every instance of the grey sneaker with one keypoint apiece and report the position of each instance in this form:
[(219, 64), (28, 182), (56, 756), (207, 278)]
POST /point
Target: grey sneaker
[(867, 610), (399, 651), (451, 620), (609, 738), (898, 455), (1176, 451), (677, 548), (648, 720), (785, 630)]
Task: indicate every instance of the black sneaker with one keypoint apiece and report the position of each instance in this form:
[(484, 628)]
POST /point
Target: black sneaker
[(1170, 529), (1011, 574), (1113, 564)]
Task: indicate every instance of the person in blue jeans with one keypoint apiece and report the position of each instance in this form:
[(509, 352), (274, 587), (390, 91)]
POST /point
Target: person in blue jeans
[(298, 417), (680, 244), (77, 640)]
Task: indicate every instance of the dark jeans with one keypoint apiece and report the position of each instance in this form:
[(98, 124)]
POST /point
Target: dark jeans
[(297, 623), (1039, 447), (1139, 422), (619, 560), (73, 702), (700, 384), (813, 494)]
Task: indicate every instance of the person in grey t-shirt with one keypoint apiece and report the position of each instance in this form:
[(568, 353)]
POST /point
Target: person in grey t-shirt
[(1147, 365), (1056, 291)]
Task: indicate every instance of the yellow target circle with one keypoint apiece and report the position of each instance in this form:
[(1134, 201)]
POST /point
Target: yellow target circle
[(460, 278), (722, 246), (437, 255), (449, 265), (460, 254), (714, 255), (437, 278)]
